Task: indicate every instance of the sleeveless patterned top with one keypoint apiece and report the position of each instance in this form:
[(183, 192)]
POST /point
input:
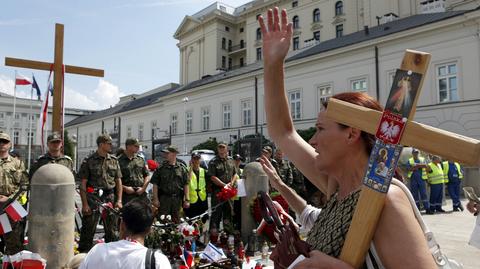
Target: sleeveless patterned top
[(330, 229)]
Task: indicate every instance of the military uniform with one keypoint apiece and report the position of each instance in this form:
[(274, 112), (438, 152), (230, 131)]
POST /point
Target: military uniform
[(48, 158), (100, 173), (170, 181), (224, 169), (12, 176), (298, 182), (285, 172), (133, 175)]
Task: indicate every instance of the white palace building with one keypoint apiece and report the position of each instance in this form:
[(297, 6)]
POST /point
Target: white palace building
[(351, 45)]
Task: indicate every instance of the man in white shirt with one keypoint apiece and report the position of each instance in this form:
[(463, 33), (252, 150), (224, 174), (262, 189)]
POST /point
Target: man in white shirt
[(130, 252)]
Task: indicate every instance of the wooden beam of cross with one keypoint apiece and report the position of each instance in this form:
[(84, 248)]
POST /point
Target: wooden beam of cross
[(58, 94), (399, 110)]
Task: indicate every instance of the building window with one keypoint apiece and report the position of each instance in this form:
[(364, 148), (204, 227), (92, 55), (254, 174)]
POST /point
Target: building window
[(129, 131), (359, 85), (174, 123), (229, 45), (91, 140), (227, 115), (227, 29), (447, 82), (16, 137), (259, 34), (153, 124), (242, 44), (189, 121), (17, 116), (2, 115), (294, 3), (85, 141), (30, 138), (316, 15), (224, 43), (338, 8), (324, 93), (241, 30), (296, 22), (295, 104), (140, 131), (230, 63), (316, 35), (246, 106), (205, 119), (241, 62), (296, 43), (259, 54), (224, 62), (339, 30)]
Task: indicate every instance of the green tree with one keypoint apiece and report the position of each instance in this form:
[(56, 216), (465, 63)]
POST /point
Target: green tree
[(307, 134), (211, 144), (68, 147)]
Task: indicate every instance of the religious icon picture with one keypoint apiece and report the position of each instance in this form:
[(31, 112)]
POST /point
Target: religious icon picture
[(402, 94), (391, 128), (381, 165)]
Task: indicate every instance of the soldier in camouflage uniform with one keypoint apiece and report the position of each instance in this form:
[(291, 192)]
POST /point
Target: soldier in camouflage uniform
[(298, 183), (284, 169), (12, 175), (222, 171), (101, 173), (54, 155), (134, 172), (171, 185)]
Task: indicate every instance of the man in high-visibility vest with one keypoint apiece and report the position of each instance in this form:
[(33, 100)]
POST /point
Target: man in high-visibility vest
[(417, 174), (452, 172), (435, 179), (197, 188)]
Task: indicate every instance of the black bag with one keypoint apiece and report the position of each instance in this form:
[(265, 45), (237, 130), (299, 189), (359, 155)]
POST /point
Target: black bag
[(150, 262), (290, 245)]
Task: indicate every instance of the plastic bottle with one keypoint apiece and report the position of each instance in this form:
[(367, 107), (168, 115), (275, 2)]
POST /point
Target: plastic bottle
[(265, 252)]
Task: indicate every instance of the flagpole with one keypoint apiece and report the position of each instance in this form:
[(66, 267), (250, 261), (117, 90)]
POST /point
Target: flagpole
[(14, 106), (30, 129)]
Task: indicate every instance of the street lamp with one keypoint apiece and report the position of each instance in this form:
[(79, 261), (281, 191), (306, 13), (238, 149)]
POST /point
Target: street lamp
[(185, 100)]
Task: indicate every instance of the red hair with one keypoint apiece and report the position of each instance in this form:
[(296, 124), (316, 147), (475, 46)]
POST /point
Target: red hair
[(361, 99)]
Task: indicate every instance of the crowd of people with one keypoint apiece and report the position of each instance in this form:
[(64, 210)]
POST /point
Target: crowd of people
[(333, 161)]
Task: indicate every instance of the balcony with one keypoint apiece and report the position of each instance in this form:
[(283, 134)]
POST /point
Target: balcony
[(237, 48)]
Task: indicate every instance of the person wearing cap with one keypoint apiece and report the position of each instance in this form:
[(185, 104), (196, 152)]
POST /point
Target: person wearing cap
[(436, 180), (267, 151), (101, 173), (284, 169), (222, 171), (238, 161), (197, 187), (170, 185), (417, 173), (135, 176), (12, 176), (54, 155)]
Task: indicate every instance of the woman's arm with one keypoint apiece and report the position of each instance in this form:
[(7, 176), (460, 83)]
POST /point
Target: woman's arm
[(277, 35), (399, 235)]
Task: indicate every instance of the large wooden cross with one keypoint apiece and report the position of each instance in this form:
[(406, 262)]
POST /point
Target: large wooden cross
[(58, 94), (371, 201)]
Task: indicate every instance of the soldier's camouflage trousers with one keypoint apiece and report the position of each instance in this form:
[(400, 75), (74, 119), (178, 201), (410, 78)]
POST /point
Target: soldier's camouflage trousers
[(89, 225), (13, 241)]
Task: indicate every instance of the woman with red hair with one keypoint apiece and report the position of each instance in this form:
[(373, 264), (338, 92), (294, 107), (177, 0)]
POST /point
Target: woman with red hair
[(334, 160)]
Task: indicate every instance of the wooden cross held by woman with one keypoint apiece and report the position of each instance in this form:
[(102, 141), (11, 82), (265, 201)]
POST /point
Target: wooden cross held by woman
[(393, 128)]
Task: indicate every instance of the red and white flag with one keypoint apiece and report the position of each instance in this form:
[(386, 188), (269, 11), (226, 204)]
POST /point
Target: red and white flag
[(5, 226), (22, 80), (16, 211)]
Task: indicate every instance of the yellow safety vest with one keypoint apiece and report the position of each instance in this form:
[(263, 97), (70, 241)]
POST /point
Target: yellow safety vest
[(436, 176), (200, 190), (446, 166), (412, 163)]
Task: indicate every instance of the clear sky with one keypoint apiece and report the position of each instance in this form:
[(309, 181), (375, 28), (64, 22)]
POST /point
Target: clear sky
[(131, 40)]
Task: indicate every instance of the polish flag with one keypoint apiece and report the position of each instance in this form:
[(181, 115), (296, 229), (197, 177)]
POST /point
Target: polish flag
[(5, 226), (32, 260), (16, 211), (22, 80)]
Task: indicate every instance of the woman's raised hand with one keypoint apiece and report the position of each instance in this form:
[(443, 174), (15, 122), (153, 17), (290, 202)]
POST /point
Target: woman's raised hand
[(276, 36), (268, 168)]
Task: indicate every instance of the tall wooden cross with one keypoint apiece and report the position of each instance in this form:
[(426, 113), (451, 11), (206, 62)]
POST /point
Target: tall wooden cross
[(58, 94), (403, 97)]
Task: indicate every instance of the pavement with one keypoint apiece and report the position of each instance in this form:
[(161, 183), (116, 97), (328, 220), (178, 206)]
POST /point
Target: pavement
[(452, 231)]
